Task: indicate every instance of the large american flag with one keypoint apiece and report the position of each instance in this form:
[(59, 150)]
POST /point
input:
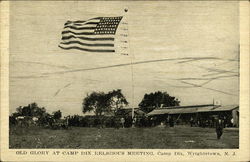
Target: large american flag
[(94, 35)]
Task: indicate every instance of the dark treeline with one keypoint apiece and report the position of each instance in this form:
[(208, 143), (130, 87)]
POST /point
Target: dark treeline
[(108, 121), (108, 108), (32, 114)]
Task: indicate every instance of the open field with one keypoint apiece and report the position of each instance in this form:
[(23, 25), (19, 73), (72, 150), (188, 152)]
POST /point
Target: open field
[(110, 138)]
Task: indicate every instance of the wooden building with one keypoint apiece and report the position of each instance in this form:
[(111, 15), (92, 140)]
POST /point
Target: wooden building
[(198, 115)]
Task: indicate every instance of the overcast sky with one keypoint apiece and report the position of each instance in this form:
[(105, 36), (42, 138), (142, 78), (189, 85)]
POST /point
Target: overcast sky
[(189, 49)]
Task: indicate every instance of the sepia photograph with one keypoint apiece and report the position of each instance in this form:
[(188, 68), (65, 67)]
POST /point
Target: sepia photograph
[(124, 75)]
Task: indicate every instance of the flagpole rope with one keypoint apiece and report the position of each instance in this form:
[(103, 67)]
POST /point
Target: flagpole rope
[(131, 63)]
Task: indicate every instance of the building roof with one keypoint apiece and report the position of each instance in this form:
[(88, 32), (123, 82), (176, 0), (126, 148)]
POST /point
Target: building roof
[(226, 108), (159, 112), (183, 110), (191, 109), (207, 109), (190, 106)]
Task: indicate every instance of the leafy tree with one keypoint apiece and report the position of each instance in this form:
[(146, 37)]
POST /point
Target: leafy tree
[(117, 99), (157, 99), (36, 111), (31, 110), (98, 102), (57, 114)]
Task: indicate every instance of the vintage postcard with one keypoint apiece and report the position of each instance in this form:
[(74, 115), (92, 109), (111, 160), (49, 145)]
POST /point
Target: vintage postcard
[(124, 80)]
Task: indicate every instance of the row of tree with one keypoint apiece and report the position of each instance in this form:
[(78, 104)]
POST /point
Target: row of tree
[(34, 111), (107, 107), (101, 103)]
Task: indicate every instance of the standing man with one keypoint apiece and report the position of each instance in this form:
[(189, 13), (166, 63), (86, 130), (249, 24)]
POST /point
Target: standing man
[(171, 121), (219, 127), (232, 122), (122, 122), (134, 121), (152, 123), (167, 121), (191, 121)]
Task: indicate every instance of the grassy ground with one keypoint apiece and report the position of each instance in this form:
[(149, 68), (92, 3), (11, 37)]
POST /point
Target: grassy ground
[(110, 138)]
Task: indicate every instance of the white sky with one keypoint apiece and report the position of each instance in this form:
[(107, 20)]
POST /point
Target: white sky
[(157, 30)]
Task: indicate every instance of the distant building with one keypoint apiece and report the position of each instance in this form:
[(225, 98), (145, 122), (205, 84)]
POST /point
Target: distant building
[(200, 115)]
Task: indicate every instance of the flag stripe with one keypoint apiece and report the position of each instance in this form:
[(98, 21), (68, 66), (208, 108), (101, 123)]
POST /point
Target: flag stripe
[(76, 25), (87, 44), (89, 22), (79, 31), (89, 47), (80, 21), (92, 23), (88, 38), (78, 28), (89, 41), (86, 49), (71, 22), (80, 25), (82, 33)]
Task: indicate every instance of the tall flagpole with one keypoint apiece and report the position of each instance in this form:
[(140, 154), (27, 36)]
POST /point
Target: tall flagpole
[(131, 66)]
